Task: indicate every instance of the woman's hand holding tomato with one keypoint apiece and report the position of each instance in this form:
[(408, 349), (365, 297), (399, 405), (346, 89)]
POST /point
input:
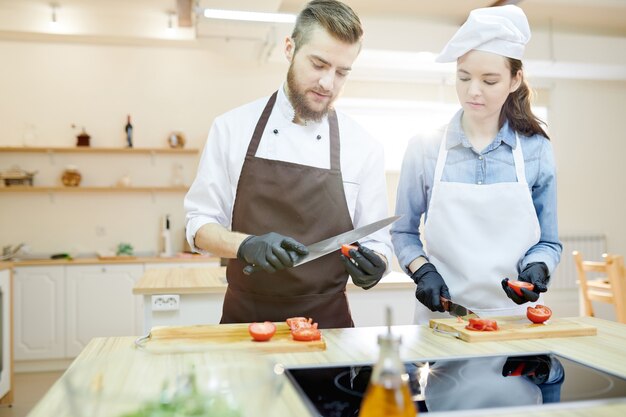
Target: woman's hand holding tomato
[(520, 291)]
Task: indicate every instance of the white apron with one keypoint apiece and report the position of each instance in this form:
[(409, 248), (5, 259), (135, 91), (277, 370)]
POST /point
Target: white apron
[(476, 235)]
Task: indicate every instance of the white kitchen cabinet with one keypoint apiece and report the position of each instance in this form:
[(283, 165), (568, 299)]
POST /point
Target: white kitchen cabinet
[(100, 302), (39, 312)]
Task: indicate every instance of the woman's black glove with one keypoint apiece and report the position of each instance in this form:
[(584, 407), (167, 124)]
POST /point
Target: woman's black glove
[(270, 252), (430, 287), (535, 273), (366, 267)]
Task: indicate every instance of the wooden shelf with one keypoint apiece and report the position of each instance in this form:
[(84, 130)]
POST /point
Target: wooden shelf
[(88, 149), (29, 189)]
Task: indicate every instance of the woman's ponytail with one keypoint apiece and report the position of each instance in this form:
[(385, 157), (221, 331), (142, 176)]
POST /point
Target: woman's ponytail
[(516, 108)]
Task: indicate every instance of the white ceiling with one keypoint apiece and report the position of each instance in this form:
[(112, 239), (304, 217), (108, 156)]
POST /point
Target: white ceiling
[(145, 21)]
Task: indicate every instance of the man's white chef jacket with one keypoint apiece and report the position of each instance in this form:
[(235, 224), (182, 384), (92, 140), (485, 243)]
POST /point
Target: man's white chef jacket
[(212, 194)]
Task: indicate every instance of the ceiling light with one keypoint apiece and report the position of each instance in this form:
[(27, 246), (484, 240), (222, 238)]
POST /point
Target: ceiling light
[(249, 16)]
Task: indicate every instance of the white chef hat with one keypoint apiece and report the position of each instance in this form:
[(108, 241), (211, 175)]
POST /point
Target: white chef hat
[(502, 30)]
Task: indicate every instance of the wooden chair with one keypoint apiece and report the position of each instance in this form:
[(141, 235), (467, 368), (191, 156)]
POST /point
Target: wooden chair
[(609, 288)]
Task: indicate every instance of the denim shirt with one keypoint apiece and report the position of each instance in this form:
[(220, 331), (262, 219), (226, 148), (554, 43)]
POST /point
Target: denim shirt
[(466, 165)]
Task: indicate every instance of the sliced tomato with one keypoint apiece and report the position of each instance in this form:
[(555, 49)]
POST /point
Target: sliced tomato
[(299, 323), (262, 332), (538, 313), (482, 325), (518, 285), (345, 249), (306, 334), (292, 320)]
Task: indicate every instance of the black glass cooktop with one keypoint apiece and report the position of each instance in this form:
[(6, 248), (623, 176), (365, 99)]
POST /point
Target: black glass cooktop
[(463, 384)]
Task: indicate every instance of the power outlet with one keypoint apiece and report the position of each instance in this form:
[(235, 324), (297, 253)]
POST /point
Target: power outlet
[(165, 302)]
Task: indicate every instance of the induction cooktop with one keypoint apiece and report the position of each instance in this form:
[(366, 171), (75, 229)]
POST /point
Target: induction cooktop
[(463, 384)]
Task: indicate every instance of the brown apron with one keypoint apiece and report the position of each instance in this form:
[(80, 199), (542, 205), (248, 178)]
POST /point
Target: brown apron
[(302, 202)]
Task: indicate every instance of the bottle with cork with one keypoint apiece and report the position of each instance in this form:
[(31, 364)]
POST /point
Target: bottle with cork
[(388, 392), (129, 132)]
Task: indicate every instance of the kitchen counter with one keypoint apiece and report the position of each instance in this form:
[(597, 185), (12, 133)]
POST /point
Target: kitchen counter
[(605, 351), (213, 280), (111, 260), (178, 296)]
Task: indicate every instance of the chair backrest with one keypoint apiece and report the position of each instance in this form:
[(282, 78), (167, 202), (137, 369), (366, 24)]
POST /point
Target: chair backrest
[(610, 288)]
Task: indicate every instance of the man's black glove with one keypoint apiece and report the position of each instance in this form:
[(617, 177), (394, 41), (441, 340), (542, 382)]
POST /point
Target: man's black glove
[(430, 287), (270, 252), (364, 266), (535, 273)]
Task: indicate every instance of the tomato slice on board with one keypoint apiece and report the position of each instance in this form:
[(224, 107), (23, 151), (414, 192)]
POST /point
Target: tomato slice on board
[(262, 332), (482, 325), (299, 322), (538, 313), (345, 249), (306, 334), (291, 320), (518, 285)]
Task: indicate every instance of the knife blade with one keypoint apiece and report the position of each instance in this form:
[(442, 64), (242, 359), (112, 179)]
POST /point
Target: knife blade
[(326, 246), (457, 310)]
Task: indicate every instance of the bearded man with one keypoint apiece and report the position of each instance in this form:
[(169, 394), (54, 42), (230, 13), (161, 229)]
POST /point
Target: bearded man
[(286, 171)]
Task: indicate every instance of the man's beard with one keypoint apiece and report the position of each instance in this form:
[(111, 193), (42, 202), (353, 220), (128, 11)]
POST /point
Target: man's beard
[(299, 101)]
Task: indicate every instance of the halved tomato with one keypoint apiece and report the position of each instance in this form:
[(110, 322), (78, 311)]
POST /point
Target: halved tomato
[(262, 332), (482, 325), (345, 249), (306, 334), (538, 313), (518, 285)]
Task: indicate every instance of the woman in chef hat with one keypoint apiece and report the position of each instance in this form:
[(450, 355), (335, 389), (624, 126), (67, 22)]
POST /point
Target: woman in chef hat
[(485, 182)]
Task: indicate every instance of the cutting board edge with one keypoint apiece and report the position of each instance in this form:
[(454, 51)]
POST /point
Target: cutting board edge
[(507, 335)]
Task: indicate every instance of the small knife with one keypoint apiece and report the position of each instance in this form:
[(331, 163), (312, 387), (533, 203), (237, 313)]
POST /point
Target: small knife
[(326, 246), (457, 310)]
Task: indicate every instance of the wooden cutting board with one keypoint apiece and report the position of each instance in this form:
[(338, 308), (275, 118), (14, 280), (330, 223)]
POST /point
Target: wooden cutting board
[(514, 328), (228, 336)]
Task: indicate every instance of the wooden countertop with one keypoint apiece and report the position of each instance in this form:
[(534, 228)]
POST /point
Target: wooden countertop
[(213, 281), (182, 281), (605, 351), (112, 260)]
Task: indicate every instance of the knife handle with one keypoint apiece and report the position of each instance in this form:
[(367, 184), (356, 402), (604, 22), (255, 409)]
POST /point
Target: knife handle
[(445, 303)]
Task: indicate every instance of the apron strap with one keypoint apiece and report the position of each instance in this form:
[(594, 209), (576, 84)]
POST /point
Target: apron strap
[(518, 158), (441, 158), (260, 126), (335, 146)]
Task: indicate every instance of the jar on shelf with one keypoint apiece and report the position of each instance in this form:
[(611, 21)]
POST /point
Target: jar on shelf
[(71, 176)]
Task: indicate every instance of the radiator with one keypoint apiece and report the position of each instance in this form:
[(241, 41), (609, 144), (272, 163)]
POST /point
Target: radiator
[(590, 246)]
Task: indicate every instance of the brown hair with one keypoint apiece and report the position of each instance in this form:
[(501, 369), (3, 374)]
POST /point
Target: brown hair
[(334, 16), (516, 108)]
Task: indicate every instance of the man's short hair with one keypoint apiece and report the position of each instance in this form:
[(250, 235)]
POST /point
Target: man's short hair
[(337, 18)]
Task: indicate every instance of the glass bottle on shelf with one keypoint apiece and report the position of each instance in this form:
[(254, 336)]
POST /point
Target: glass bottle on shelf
[(387, 392)]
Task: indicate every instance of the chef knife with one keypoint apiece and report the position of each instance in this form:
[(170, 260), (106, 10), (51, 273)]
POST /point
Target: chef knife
[(457, 310), (326, 246)]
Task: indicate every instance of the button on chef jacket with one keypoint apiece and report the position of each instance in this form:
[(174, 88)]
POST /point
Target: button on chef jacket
[(212, 194)]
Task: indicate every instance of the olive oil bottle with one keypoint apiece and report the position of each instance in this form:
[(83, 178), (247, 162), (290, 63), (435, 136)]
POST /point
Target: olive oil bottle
[(388, 393)]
